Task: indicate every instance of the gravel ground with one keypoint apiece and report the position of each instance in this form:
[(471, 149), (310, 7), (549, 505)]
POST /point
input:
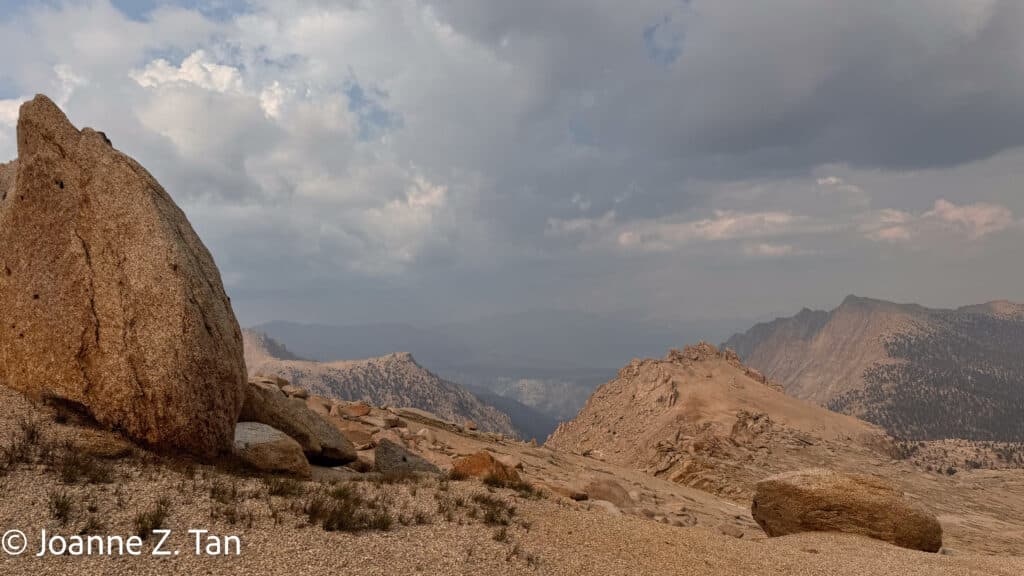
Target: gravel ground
[(438, 527)]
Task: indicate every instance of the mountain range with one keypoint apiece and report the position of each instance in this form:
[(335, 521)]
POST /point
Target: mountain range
[(921, 373), (542, 364)]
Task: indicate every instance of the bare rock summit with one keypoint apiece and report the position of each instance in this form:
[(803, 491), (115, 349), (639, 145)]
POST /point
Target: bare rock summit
[(111, 300)]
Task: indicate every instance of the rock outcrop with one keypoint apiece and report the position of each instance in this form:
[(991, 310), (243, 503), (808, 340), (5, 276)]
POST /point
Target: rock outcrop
[(700, 418), (266, 448), (111, 301), (322, 442), (818, 500)]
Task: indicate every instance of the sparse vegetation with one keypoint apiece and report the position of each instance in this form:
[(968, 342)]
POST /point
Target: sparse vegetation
[(495, 511), (224, 492), (153, 519), (344, 509), (61, 506), (523, 488), (74, 466), (283, 486)]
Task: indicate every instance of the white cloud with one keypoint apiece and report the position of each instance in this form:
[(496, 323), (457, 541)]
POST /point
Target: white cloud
[(272, 98), (667, 234), (973, 220), (196, 69), (766, 250), (970, 221), (571, 226), (9, 112)]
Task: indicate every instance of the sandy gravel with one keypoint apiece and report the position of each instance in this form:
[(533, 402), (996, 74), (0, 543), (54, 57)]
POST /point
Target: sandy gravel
[(550, 535)]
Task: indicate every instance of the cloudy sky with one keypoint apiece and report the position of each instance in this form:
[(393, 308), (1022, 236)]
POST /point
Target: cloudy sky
[(427, 160)]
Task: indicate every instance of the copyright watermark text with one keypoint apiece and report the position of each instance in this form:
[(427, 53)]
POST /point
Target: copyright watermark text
[(199, 543)]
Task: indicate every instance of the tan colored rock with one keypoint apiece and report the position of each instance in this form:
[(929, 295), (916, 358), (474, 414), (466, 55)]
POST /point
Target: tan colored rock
[(8, 171), (608, 490), (730, 530), (101, 444), (355, 410), (818, 500), (319, 404), (375, 421), (265, 448), (469, 425), (606, 506), (484, 465), (111, 301), (294, 391), (322, 442), (428, 436)]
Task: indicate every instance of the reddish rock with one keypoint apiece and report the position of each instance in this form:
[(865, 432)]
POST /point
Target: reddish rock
[(484, 465)]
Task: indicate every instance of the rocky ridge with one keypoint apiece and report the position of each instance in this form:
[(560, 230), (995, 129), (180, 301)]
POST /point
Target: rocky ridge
[(392, 380), (703, 419)]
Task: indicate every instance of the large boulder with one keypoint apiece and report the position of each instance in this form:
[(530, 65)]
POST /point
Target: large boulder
[(270, 450), (110, 299), (322, 442), (820, 500)]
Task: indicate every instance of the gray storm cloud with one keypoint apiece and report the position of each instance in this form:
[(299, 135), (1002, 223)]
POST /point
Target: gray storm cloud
[(423, 161)]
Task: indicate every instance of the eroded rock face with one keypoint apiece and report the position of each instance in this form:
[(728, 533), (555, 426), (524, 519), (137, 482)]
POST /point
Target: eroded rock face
[(819, 500), (111, 300)]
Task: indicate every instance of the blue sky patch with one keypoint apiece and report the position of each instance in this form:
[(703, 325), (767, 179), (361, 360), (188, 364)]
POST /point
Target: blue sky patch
[(664, 41), (366, 103), (219, 10)]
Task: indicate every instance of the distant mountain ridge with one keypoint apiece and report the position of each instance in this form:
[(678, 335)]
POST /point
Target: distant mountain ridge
[(544, 363), (390, 380), (919, 372)]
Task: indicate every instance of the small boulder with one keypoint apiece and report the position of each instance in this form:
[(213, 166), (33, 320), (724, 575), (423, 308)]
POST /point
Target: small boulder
[(294, 391), (609, 491), (319, 404), (322, 442), (428, 436), (390, 457), (270, 450), (607, 506), (819, 500), (355, 410), (484, 465), (730, 530), (469, 425)]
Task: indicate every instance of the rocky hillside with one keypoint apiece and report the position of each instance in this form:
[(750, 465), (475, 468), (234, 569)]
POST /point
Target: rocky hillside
[(391, 380), (921, 373), (700, 418)]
